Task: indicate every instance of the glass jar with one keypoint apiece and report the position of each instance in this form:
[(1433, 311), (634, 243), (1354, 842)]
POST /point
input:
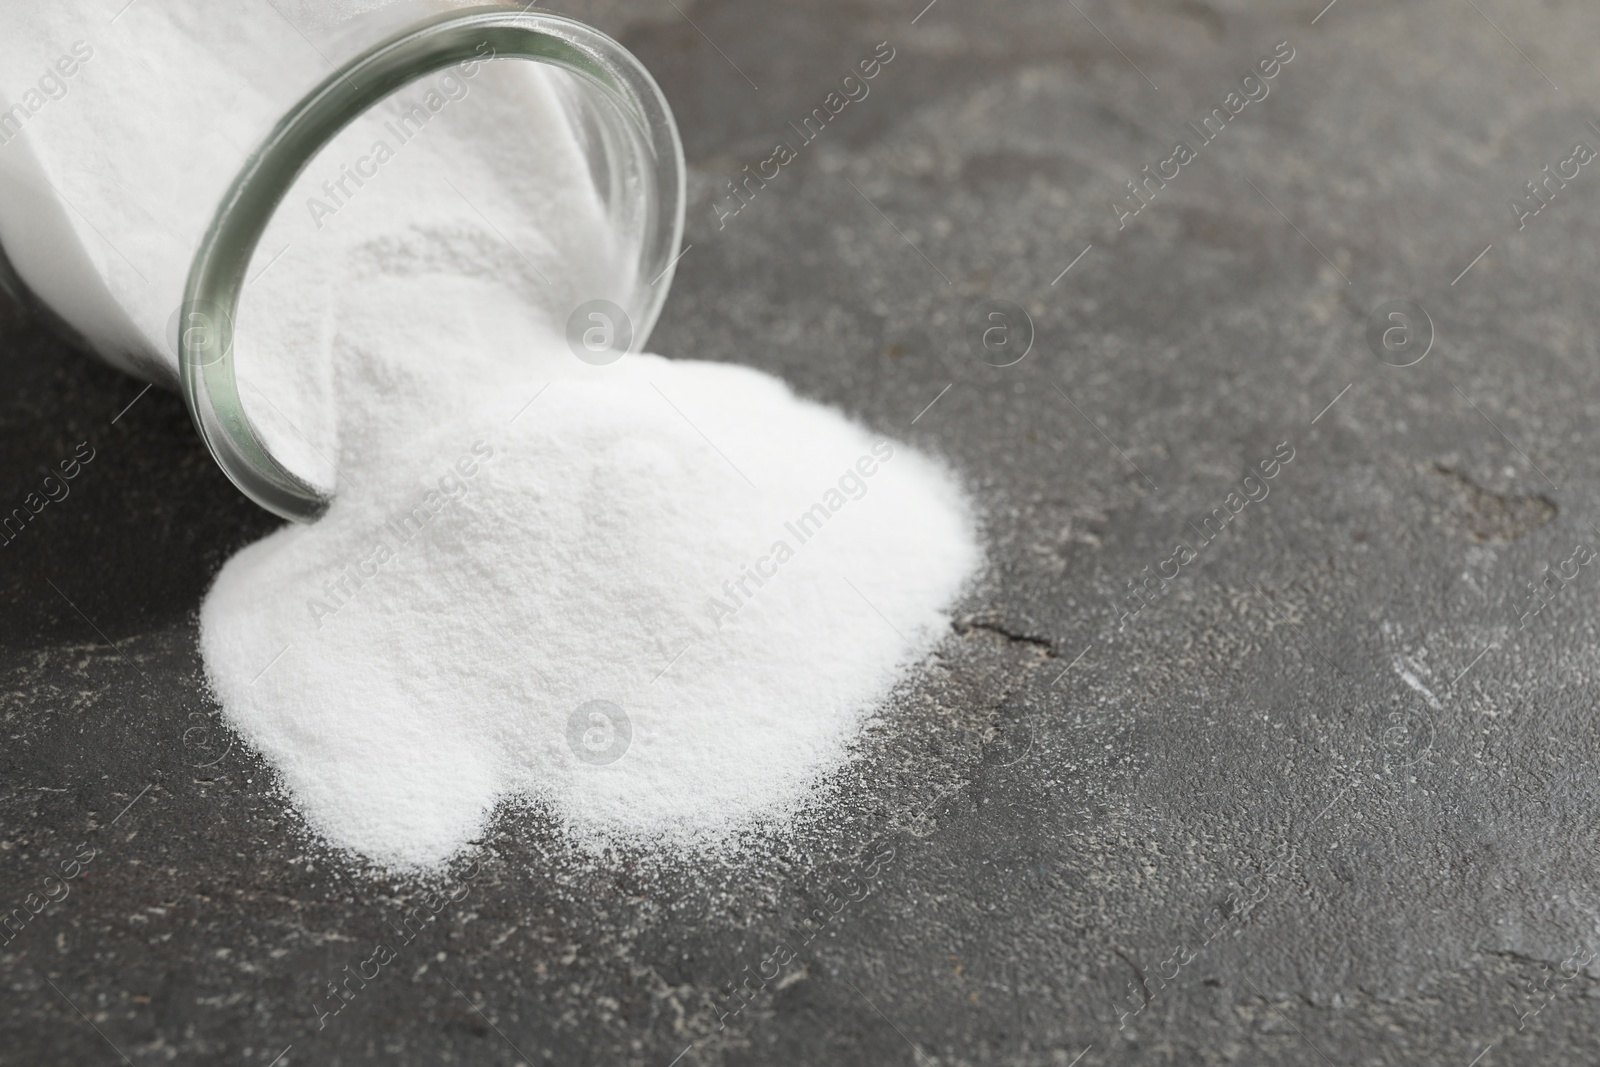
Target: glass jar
[(161, 298)]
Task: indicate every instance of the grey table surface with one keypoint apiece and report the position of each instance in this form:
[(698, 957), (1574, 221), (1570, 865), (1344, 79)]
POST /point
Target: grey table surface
[(1327, 797)]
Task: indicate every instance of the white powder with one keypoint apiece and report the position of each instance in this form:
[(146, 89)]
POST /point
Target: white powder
[(110, 173), (578, 562), (109, 176), (657, 599)]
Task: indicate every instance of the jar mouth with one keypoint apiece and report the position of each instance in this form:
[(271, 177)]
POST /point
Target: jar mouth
[(641, 181)]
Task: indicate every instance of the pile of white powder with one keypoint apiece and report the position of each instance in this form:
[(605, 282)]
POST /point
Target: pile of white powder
[(657, 599)]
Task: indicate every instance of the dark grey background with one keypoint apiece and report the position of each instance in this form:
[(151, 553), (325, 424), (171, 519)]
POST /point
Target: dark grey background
[(1329, 744)]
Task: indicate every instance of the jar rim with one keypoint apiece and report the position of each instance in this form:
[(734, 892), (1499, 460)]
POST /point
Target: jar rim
[(218, 274)]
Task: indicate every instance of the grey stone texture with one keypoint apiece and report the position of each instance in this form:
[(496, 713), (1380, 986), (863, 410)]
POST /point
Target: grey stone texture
[(1327, 796)]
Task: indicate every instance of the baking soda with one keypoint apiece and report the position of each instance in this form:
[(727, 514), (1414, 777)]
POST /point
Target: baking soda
[(656, 599), (659, 604)]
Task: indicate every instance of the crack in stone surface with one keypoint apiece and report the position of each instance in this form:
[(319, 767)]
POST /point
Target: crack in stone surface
[(967, 625), (1496, 518)]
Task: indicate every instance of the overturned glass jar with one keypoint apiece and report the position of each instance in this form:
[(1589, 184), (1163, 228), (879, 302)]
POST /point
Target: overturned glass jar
[(155, 171)]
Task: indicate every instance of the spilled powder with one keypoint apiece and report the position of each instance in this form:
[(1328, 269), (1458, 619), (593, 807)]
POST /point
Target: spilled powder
[(656, 600), (597, 548)]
